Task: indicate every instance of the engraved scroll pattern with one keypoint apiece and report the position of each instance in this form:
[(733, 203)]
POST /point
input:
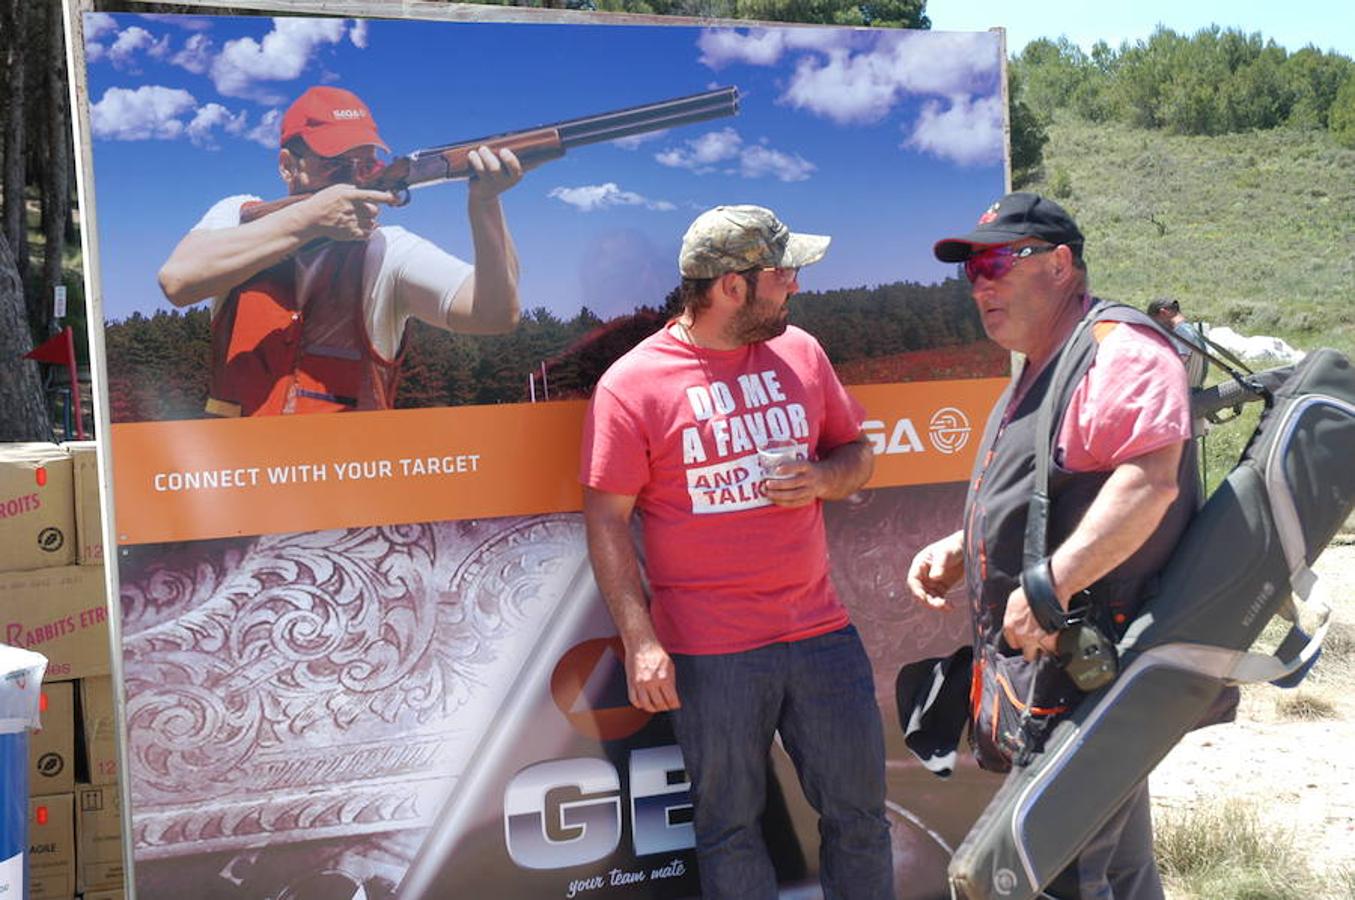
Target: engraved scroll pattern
[(308, 683)]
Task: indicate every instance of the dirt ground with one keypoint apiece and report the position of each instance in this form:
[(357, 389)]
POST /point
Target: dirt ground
[(1299, 771)]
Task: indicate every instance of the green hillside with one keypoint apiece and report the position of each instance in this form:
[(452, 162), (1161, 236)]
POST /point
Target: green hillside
[(1254, 230)]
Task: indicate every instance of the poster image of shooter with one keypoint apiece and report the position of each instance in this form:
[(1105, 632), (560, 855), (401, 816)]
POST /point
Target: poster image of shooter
[(362, 653)]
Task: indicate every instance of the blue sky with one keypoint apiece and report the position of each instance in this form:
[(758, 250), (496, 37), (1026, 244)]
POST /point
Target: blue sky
[(886, 140), (1327, 24)]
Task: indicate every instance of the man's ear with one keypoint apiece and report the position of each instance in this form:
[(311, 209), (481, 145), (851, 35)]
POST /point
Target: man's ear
[(1064, 266), (289, 164), (730, 283)]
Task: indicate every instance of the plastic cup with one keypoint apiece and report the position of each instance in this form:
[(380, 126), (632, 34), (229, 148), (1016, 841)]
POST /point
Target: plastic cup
[(776, 453)]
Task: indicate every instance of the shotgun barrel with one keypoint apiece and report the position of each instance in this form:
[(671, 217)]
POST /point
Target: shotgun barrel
[(432, 165)]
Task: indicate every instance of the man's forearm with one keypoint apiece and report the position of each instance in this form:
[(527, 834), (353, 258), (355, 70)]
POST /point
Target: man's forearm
[(617, 570), (845, 468), (493, 306), (1125, 513), (209, 262)]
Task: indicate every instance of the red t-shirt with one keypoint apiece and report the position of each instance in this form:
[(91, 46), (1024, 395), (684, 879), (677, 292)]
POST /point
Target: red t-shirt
[(678, 427), (1132, 401)]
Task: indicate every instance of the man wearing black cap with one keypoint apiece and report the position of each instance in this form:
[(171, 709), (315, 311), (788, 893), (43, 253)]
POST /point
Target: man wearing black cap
[(1121, 492)]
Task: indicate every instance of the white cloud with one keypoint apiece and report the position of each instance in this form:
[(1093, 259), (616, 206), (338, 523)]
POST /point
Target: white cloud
[(721, 47), (725, 151), (760, 162), (703, 153), (282, 55), (845, 88), (965, 132), (268, 130), (95, 52), (634, 141), (588, 198), (762, 47), (945, 63), (97, 24), (149, 112), (849, 87), (211, 117), (196, 55), (132, 41), (358, 34)]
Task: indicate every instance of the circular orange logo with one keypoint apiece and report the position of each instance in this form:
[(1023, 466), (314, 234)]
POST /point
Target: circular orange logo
[(589, 687)]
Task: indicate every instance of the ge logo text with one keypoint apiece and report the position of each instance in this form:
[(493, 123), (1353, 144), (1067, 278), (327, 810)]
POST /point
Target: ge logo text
[(568, 812)]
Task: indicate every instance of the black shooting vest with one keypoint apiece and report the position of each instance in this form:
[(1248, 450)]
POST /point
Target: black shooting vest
[(1013, 702)]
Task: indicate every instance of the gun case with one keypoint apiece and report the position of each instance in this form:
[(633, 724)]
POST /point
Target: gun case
[(1244, 558)]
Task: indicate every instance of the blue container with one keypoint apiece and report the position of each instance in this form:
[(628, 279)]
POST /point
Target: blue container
[(20, 693), (13, 813)]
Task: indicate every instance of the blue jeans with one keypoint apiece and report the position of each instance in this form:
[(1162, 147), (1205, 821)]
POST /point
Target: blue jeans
[(819, 693)]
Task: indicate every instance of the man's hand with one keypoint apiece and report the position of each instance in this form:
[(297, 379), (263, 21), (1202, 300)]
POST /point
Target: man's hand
[(1022, 631), (840, 472), (494, 173), (650, 678), (798, 483), (342, 212), (936, 569)]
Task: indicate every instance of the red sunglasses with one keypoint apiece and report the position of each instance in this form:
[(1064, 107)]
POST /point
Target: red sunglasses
[(346, 169), (996, 262)]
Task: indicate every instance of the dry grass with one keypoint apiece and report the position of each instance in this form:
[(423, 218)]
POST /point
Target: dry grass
[(1338, 650), (1305, 706), (1225, 852)]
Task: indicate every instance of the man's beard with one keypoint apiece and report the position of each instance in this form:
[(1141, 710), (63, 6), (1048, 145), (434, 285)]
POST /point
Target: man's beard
[(758, 320)]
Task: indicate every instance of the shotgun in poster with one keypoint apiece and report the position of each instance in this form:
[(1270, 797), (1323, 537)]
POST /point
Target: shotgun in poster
[(362, 651)]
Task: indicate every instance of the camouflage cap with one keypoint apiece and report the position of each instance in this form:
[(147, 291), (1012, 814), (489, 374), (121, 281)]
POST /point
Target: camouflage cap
[(736, 238)]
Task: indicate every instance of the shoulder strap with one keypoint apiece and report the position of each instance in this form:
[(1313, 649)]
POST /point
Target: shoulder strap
[(1071, 363), (1074, 359), (1205, 345)]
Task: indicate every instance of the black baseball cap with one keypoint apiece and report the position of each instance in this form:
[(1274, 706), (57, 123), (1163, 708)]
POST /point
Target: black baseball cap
[(1015, 216), (1162, 303)]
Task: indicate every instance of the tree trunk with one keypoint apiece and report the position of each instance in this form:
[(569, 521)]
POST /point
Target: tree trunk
[(15, 222), (56, 190), (23, 410)]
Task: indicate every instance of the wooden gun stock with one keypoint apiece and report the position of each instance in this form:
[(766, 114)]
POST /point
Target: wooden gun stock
[(531, 146)]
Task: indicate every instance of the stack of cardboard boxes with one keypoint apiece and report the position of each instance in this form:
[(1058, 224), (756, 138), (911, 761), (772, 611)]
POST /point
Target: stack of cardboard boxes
[(53, 601)]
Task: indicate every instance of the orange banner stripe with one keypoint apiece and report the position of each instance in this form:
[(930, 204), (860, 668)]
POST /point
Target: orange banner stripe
[(200, 479)]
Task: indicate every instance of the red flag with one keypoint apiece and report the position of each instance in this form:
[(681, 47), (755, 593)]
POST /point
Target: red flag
[(53, 350), (60, 349)]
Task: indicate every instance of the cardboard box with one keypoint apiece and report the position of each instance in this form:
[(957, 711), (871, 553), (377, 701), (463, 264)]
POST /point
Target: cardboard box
[(114, 894), (51, 749), (51, 847), (37, 507), (99, 729), (60, 613), (98, 834), (89, 533)]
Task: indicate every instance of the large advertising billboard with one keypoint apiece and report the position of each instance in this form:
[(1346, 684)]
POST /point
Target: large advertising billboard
[(362, 652)]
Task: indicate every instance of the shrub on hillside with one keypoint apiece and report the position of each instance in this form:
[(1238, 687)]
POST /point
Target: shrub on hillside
[(1342, 117), (1220, 81)]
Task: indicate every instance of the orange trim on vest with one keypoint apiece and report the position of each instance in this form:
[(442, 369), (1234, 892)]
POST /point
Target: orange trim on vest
[(277, 353), (1011, 698), (1101, 330)]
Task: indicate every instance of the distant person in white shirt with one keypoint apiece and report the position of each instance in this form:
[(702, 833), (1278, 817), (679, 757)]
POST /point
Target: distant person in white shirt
[(309, 302), (1167, 313)]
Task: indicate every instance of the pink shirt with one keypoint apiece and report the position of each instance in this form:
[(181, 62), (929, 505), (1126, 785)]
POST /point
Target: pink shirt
[(678, 428), (1132, 401)]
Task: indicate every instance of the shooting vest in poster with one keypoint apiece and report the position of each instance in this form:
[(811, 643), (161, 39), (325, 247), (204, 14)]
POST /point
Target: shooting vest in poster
[(293, 339), (1013, 702)]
